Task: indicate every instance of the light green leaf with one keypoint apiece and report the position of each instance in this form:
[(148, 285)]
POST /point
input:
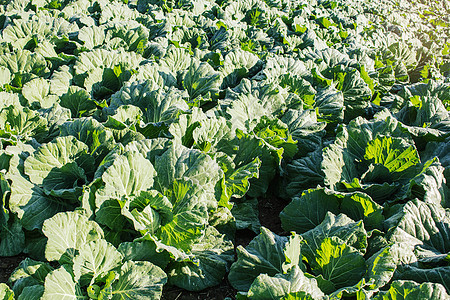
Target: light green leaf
[(128, 174), (94, 261), (60, 81), (264, 254), (37, 91), (393, 153), (60, 167), (201, 79), (67, 233), (78, 101), (149, 211), (59, 284), (5, 292), (281, 285), (21, 124), (340, 226), (89, 131), (236, 182), (212, 256), (137, 281), (180, 163), (409, 290), (380, 268), (32, 204), (189, 216), (339, 263)]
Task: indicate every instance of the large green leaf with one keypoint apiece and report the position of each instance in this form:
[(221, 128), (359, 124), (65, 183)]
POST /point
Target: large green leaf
[(342, 227), (251, 146), (306, 212), (236, 182), (78, 101), (94, 261), (201, 79), (381, 267), (429, 184), (127, 175), (266, 254), (179, 163), (149, 211), (12, 237), (393, 153), (137, 280), (302, 173), (20, 124), (144, 250), (5, 292), (212, 256), (97, 137), (421, 224), (23, 62), (61, 285), (409, 290), (37, 92), (339, 263), (281, 285), (67, 233), (29, 273), (32, 204), (59, 167), (189, 217), (309, 210)]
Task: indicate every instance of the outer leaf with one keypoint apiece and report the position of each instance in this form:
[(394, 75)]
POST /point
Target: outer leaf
[(94, 261), (149, 211), (32, 204), (350, 232), (29, 273), (12, 238), (308, 211), (189, 217), (137, 281), (393, 153), (212, 256), (338, 263), (422, 224), (129, 174), (60, 159), (264, 254), (59, 284), (78, 101), (67, 233), (380, 268), (33, 292), (281, 285), (409, 290), (5, 292), (37, 91), (201, 79)]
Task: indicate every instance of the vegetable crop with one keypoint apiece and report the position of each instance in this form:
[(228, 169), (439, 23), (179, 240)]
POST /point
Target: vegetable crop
[(137, 137)]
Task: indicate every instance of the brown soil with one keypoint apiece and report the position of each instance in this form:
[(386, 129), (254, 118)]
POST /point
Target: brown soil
[(219, 292), (269, 214), (8, 265)]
